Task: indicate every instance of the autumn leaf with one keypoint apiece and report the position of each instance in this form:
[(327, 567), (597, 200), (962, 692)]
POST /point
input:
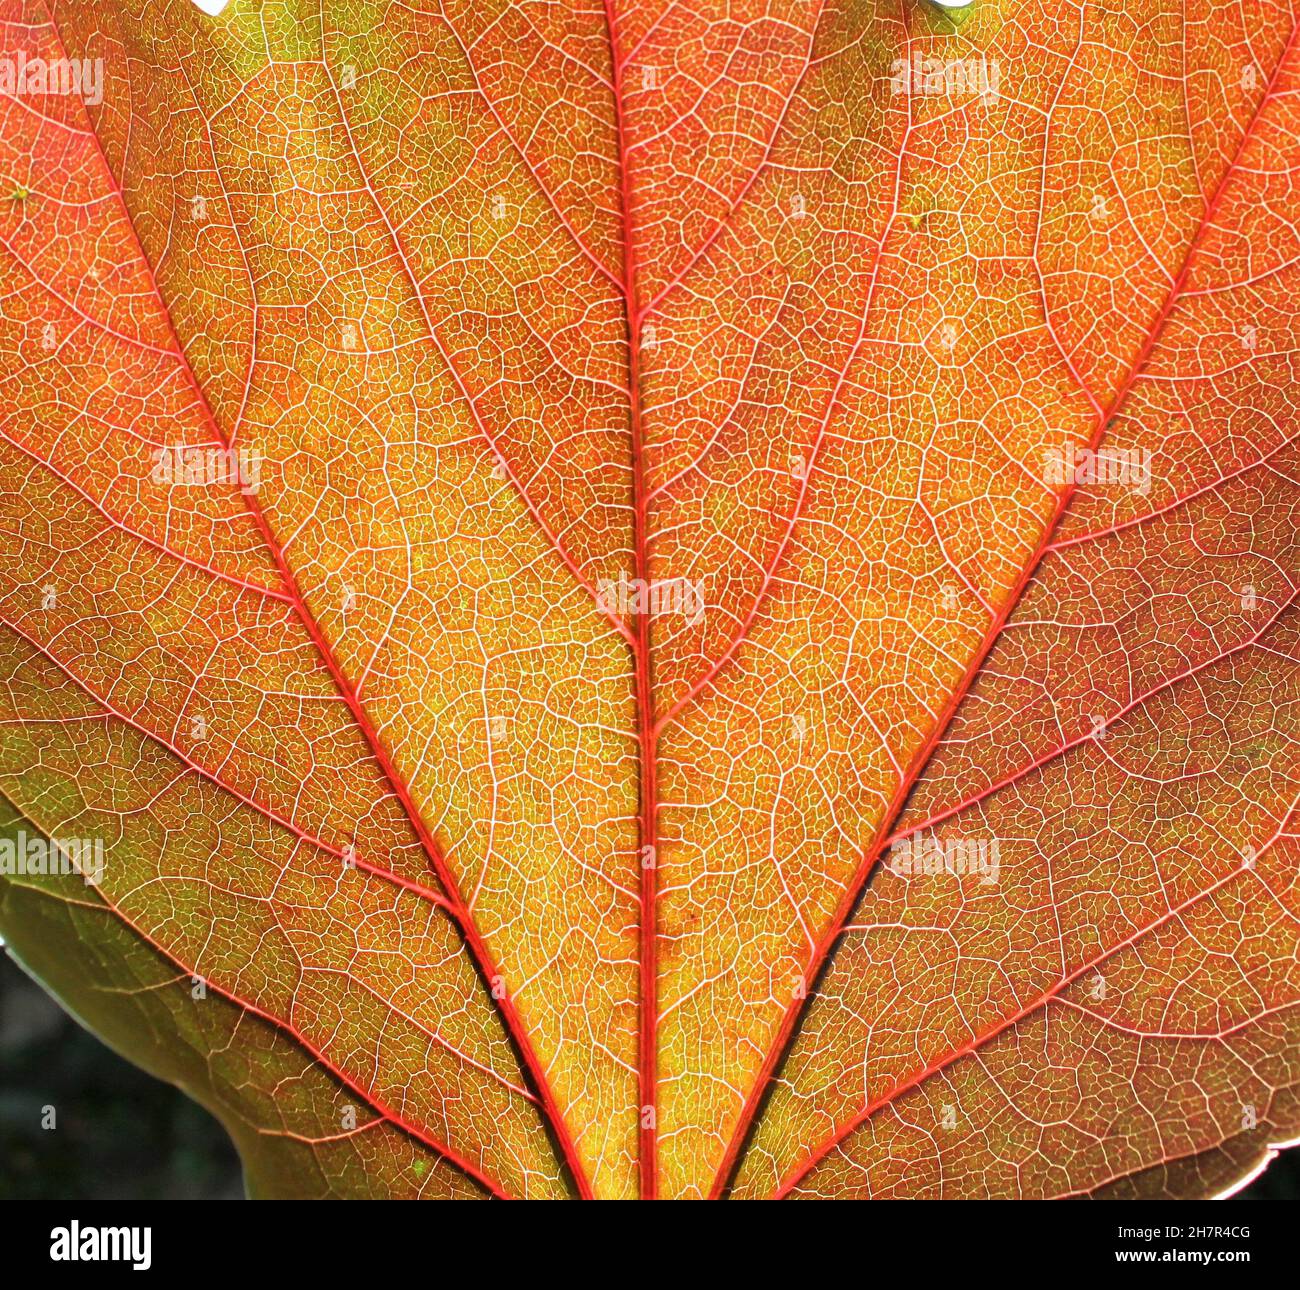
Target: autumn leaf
[(683, 600)]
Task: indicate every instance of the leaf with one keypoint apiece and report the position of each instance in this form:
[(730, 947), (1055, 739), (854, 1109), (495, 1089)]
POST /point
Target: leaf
[(681, 601)]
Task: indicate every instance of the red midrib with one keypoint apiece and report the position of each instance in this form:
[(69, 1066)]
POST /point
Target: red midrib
[(647, 853)]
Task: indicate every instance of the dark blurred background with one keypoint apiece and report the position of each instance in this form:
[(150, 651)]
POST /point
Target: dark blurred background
[(124, 1135), (121, 1135)]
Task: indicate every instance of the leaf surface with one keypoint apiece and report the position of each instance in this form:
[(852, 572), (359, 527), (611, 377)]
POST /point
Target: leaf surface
[(434, 863)]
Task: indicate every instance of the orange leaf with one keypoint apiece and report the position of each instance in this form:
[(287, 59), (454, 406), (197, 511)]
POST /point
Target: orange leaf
[(674, 601)]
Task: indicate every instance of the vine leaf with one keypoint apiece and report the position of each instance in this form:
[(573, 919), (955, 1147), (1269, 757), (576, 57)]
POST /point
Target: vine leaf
[(675, 601)]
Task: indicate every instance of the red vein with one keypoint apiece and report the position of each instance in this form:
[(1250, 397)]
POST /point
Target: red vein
[(838, 1135), (872, 854), (648, 1008), (286, 1027), (551, 199), (196, 768), (1093, 736), (473, 938), (254, 588), (357, 862)]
